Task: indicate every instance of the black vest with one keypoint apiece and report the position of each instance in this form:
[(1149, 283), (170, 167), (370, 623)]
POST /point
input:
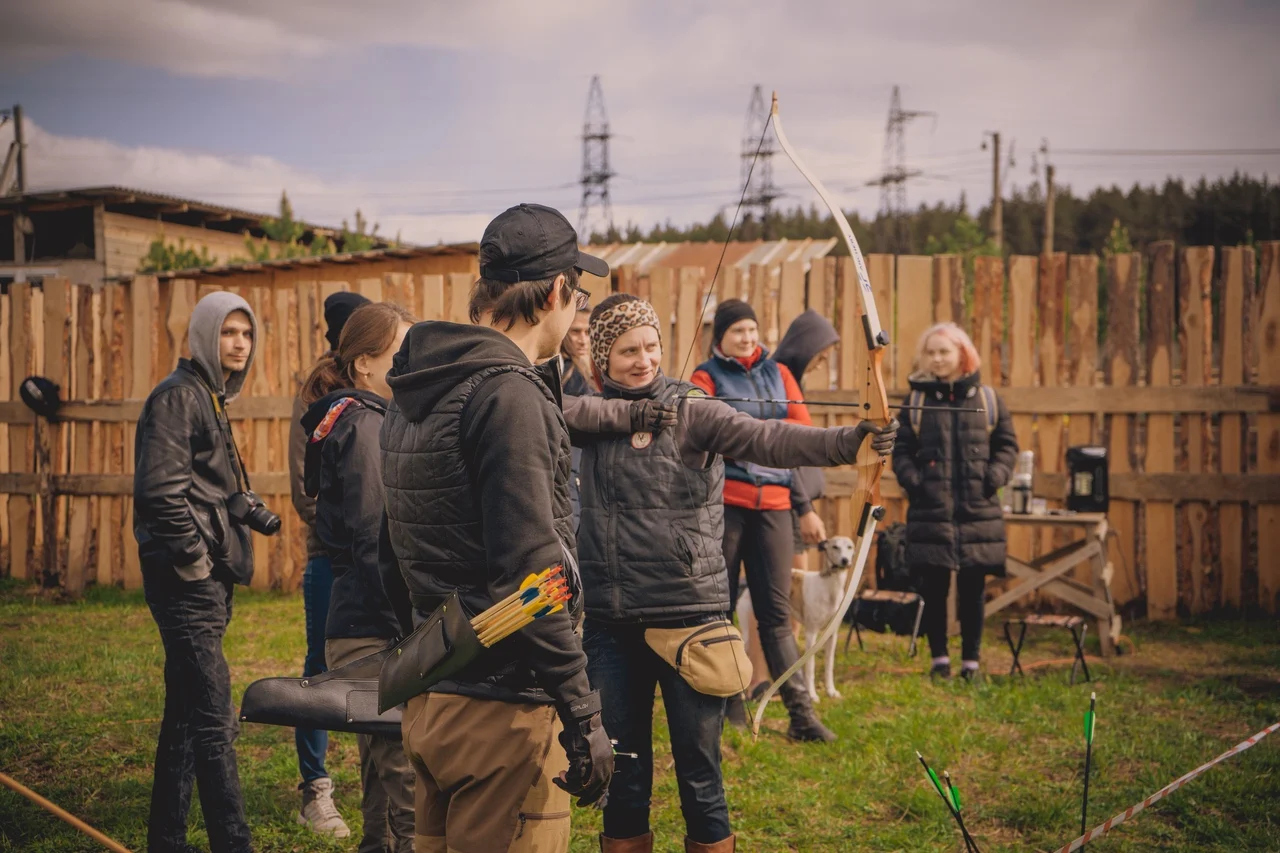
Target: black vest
[(434, 518), (650, 539)]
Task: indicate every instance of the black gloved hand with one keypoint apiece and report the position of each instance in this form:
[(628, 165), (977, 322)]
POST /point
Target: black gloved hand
[(652, 416), (882, 437), (589, 750)]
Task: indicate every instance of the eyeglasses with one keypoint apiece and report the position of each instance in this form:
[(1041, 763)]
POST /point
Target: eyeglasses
[(582, 298)]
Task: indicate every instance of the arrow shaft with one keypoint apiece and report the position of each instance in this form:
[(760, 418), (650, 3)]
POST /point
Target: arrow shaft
[(826, 404)]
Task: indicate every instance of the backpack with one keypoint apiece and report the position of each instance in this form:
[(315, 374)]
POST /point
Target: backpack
[(989, 404), (892, 571)]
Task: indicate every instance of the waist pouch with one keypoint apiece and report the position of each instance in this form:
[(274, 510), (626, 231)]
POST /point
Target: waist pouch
[(709, 657), (438, 649)]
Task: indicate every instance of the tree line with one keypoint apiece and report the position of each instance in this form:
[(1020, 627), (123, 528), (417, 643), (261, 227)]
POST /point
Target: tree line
[(1238, 210)]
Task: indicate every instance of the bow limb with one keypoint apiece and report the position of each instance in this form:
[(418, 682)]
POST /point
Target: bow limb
[(869, 464)]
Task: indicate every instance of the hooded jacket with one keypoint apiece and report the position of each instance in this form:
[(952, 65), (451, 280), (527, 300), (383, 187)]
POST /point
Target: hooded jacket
[(185, 463), (343, 472), (950, 471), (808, 335), (475, 462), (652, 520)]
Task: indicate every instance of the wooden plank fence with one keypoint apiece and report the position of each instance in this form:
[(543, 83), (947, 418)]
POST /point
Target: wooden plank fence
[(1171, 359)]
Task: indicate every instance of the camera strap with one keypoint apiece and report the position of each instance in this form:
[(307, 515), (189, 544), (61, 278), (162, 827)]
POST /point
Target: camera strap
[(228, 436)]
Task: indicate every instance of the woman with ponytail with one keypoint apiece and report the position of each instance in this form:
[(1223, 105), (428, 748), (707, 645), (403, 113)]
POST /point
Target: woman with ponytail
[(347, 396)]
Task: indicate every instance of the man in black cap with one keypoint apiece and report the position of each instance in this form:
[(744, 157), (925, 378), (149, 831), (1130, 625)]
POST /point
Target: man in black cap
[(318, 812), (476, 462)]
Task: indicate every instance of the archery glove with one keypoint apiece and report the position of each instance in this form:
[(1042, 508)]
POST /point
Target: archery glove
[(653, 416), (882, 437), (589, 750)]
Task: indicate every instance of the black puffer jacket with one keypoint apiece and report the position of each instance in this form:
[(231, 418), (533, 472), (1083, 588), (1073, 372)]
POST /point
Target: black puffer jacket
[(950, 472), (343, 473), (475, 461)]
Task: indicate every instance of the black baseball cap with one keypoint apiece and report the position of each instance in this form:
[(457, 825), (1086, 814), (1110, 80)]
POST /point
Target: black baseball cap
[(530, 242)]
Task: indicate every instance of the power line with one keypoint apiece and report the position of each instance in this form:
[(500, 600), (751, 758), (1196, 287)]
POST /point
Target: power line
[(1172, 152)]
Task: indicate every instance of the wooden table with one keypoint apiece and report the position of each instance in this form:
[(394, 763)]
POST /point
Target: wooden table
[(1049, 573)]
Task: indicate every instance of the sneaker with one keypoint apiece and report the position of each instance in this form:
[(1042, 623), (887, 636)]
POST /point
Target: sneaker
[(941, 671), (319, 814), (969, 673)]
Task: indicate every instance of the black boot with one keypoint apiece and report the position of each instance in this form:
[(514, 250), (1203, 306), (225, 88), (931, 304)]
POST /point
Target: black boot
[(780, 652), (735, 712)]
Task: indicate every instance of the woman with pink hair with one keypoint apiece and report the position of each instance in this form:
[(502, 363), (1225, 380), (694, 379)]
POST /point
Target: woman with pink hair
[(951, 457)]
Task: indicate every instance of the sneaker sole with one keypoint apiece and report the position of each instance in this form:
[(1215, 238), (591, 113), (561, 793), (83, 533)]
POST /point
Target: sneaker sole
[(343, 832)]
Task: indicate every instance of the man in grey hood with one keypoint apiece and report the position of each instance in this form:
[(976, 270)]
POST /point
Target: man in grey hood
[(192, 554)]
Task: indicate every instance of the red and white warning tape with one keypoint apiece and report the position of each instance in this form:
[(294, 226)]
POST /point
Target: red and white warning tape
[(1101, 830)]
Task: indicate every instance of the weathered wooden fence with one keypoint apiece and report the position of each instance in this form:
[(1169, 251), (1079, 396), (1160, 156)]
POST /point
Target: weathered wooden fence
[(1171, 359)]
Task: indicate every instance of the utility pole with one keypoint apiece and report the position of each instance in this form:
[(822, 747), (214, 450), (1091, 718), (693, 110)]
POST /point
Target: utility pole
[(595, 163), (757, 162), (997, 208), (893, 178), (22, 148), (1048, 210)]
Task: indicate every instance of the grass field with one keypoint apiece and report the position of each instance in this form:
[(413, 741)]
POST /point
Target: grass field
[(81, 697)]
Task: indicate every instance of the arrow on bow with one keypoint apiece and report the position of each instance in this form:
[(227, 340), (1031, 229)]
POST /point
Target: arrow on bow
[(869, 464)]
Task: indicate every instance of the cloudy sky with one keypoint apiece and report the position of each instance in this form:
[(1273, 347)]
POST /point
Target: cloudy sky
[(432, 116)]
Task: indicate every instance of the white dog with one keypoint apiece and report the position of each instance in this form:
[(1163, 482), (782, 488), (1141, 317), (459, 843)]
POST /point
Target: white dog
[(814, 598)]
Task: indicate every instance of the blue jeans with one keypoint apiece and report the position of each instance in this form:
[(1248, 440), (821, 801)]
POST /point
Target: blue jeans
[(626, 671), (317, 580), (197, 734)]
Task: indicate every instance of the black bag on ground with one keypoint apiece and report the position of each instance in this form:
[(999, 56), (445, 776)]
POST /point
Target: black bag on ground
[(438, 649), (892, 571), (340, 700)]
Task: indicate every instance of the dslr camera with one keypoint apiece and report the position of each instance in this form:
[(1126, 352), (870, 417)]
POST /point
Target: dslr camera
[(248, 509)]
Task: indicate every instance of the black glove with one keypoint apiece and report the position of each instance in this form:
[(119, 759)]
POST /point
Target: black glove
[(882, 437), (652, 416), (589, 750)]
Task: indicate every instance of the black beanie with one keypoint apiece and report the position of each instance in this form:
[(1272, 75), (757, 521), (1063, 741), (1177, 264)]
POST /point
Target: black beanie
[(337, 308), (727, 313)]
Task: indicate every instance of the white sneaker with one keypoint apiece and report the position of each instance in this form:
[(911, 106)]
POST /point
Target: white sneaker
[(318, 811)]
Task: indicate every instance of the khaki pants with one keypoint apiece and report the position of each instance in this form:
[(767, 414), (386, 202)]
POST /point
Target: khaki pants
[(385, 775), (484, 771)]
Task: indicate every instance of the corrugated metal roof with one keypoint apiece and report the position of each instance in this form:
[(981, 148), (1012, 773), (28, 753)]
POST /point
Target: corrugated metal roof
[(645, 256), (340, 259)]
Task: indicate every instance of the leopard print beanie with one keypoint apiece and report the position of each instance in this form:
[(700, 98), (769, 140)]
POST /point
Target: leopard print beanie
[(612, 319)]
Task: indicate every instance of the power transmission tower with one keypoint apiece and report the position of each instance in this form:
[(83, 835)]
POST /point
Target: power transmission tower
[(595, 165), (893, 178), (758, 149)]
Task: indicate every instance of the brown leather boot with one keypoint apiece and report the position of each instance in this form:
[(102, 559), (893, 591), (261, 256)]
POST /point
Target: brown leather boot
[(638, 844), (723, 846)]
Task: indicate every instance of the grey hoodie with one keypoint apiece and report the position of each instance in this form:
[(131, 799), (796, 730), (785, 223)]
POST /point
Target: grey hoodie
[(204, 336)]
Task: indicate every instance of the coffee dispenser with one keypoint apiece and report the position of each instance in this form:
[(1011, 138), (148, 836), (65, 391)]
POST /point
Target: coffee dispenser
[(1087, 487)]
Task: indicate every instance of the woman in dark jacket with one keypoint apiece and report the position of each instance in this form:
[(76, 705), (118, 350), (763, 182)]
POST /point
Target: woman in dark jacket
[(347, 396), (758, 501), (650, 555), (951, 464)]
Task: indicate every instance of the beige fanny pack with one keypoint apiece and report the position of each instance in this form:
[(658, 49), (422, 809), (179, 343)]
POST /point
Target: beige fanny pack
[(709, 657)]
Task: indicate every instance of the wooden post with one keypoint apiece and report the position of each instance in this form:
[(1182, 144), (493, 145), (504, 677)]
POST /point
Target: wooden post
[(79, 531), (1161, 534), (1047, 247), (1238, 264), (1122, 360), (1268, 337), (1022, 325), (21, 438), (1049, 428), (987, 328), (914, 298), (7, 356), (1198, 579)]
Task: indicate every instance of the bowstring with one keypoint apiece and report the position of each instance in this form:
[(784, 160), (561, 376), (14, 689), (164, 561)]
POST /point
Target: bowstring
[(693, 345), (711, 288)]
